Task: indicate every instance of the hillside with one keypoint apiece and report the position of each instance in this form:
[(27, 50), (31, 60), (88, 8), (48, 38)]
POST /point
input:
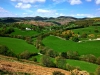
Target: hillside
[(12, 65)]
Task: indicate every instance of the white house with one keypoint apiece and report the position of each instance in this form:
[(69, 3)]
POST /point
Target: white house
[(28, 29)]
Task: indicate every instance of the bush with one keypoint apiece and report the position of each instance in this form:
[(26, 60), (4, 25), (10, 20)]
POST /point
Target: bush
[(52, 53), (97, 71), (75, 39), (58, 73), (89, 58), (60, 62), (46, 61), (25, 55), (72, 55), (98, 61)]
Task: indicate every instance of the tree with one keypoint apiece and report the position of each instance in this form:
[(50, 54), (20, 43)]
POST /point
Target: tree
[(46, 61), (60, 62), (64, 54), (52, 53), (72, 55)]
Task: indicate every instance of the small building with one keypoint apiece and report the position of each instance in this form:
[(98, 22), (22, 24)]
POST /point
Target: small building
[(28, 29)]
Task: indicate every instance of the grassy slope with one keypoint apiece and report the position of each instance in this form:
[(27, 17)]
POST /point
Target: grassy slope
[(17, 45), (83, 65), (88, 30), (90, 47), (90, 67), (24, 33)]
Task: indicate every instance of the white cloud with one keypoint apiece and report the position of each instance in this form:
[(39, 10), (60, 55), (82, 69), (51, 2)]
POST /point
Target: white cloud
[(85, 15), (43, 11), (97, 1), (88, 0), (59, 1), (29, 1), (23, 6), (73, 2), (5, 13)]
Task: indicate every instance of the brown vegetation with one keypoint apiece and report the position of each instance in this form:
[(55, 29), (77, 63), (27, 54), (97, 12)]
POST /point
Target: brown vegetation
[(17, 66)]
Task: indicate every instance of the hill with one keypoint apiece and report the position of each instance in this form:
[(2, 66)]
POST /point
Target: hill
[(12, 65)]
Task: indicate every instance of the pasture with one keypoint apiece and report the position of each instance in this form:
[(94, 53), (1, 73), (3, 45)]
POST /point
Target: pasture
[(24, 33), (90, 67), (87, 30), (17, 45), (60, 45)]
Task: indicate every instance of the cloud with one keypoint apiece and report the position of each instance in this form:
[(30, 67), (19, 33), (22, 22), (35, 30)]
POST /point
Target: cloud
[(85, 15), (88, 0), (5, 13), (59, 1), (23, 6), (43, 11), (97, 1), (29, 1), (73, 2)]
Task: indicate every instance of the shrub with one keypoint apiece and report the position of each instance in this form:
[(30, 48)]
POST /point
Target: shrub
[(75, 39), (97, 71), (46, 61), (51, 53), (57, 73), (5, 51), (25, 55), (60, 62), (89, 58), (98, 61), (72, 55)]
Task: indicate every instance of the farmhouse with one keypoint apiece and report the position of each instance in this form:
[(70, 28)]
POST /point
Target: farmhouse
[(28, 29)]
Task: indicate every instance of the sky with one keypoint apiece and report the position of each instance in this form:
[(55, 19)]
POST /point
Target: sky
[(50, 8)]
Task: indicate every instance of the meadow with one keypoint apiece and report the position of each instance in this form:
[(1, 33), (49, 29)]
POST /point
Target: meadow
[(24, 33), (60, 45), (81, 64), (90, 67), (17, 45), (87, 30)]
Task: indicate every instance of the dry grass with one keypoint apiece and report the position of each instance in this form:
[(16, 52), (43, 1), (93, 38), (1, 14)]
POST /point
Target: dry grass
[(16, 66)]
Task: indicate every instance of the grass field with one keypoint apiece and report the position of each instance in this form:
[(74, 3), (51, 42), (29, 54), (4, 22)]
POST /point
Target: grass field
[(87, 30), (17, 45), (90, 67), (89, 47), (24, 33)]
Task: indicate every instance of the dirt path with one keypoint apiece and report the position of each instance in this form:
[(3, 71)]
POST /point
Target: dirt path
[(17, 66)]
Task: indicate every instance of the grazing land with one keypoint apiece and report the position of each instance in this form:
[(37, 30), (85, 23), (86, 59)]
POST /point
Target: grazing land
[(60, 45), (17, 45)]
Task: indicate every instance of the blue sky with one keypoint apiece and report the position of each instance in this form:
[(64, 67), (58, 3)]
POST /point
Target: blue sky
[(50, 8)]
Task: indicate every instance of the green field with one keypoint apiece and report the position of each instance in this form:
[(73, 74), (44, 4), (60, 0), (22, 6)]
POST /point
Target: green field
[(89, 47), (87, 30), (90, 67), (24, 33), (17, 45)]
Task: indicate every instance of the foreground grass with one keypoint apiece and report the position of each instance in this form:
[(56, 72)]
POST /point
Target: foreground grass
[(17, 45), (57, 44)]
